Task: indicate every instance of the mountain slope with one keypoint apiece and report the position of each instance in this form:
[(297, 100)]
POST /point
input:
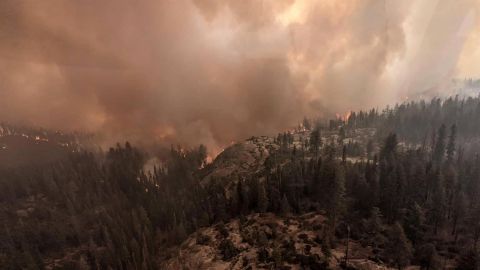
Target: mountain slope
[(268, 241)]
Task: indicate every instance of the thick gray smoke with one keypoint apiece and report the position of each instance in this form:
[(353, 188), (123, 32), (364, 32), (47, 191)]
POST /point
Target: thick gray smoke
[(211, 71)]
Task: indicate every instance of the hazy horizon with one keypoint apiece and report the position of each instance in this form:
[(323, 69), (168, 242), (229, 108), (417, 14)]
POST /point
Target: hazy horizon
[(213, 71)]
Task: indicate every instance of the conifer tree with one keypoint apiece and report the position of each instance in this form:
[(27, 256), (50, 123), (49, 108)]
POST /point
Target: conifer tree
[(285, 206), (451, 143), (428, 257), (262, 199), (315, 141), (439, 150), (399, 249)]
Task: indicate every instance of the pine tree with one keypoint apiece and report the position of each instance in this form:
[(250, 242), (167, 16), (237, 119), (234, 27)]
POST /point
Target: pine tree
[(428, 257), (438, 203), (243, 198), (415, 223), (439, 150), (315, 141), (341, 135), (335, 195), (285, 206), (179, 233), (459, 211), (390, 146), (274, 196), (399, 249), (374, 229), (451, 143), (369, 149), (262, 200)]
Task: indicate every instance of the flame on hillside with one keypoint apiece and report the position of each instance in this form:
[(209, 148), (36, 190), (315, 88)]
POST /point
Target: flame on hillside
[(345, 116)]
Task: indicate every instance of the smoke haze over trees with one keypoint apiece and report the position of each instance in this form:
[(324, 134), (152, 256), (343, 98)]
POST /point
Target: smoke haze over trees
[(415, 204), (362, 119), (216, 71)]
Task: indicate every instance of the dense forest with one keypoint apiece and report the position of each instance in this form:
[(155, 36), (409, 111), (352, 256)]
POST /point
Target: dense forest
[(106, 210), (417, 122)]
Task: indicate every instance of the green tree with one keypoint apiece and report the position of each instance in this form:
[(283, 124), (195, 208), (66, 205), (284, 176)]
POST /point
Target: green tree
[(375, 230), (451, 143), (459, 212), (389, 146), (262, 200), (428, 257), (399, 249), (439, 150), (369, 149), (415, 222), (334, 176), (315, 141), (243, 198), (285, 206)]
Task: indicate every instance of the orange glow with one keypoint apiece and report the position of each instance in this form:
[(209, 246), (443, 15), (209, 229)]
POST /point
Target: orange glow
[(345, 116)]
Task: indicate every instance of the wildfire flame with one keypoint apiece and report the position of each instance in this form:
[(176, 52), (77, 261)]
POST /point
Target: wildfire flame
[(345, 116)]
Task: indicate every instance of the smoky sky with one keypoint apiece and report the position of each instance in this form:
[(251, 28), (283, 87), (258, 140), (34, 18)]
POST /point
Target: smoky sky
[(211, 71)]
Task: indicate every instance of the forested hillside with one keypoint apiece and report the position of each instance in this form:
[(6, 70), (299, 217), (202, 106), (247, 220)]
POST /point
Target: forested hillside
[(402, 183), (20, 145), (417, 122)]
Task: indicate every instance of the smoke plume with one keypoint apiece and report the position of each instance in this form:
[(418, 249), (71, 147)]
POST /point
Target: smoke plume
[(211, 71)]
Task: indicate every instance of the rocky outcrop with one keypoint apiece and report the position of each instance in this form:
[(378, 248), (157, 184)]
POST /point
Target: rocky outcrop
[(268, 241), (240, 160)]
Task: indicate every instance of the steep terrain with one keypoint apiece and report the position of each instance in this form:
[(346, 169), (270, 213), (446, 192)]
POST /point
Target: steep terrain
[(401, 180), (240, 160), (21, 145), (268, 241)]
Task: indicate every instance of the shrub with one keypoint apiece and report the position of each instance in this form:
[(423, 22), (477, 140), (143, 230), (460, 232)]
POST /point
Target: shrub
[(228, 249), (222, 229), (202, 239)]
